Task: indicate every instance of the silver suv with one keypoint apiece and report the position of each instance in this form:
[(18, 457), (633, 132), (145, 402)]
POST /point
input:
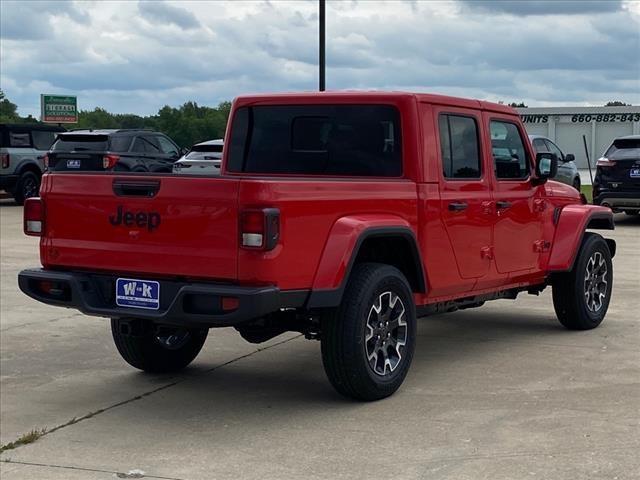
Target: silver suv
[(567, 171), (22, 150)]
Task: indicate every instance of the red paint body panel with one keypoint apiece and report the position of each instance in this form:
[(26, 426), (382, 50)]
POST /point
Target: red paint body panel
[(196, 238), (342, 241), (477, 251), (571, 224)]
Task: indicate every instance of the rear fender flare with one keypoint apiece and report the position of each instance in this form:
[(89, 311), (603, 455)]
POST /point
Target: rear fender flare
[(571, 225), (342, 247)]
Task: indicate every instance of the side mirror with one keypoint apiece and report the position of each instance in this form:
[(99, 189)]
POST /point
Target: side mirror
[(569, 157), (183, 151), (546, 166)]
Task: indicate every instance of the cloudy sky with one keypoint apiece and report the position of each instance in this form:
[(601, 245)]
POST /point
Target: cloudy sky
[(136, 56)]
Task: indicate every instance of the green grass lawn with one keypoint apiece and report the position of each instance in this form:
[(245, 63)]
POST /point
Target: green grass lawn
[(586, 189)]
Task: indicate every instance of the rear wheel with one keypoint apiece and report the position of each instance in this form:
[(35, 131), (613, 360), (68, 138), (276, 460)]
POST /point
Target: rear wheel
[(28, 186), (368, 342), (156, 348), (581, 296)]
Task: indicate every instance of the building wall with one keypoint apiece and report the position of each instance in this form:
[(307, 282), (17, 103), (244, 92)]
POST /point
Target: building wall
[(567, 125)]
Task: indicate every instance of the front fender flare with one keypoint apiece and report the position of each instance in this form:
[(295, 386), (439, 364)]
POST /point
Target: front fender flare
[(341, 249), (571, 225)]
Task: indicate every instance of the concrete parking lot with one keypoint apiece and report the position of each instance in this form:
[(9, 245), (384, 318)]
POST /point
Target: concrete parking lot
[(500, 392)]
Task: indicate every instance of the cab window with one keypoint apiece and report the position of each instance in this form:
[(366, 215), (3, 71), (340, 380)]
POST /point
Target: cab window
[(510, 157), (459, 148), (553, 148)]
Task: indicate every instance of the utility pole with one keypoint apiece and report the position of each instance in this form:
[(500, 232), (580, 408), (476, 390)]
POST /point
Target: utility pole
[(321, 53)]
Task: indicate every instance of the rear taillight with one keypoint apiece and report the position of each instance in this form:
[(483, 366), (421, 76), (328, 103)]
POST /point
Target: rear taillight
[(33, 216), (109, 161), (605, 162), (45, 160), (260, 228), (5, 160)]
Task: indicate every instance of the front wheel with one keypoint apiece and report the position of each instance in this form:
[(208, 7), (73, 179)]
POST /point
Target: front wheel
[(156, 348), (368, 342), (581, 296)]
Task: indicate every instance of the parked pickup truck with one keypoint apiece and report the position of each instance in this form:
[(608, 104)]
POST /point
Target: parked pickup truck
[(344, 216)]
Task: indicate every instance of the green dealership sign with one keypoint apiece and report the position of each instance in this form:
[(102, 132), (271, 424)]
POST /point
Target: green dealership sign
[(59, 108)]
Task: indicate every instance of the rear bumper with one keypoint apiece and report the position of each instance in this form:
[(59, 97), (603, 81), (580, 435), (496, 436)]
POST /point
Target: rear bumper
[(618, 200), (181, 303), (8, 182)]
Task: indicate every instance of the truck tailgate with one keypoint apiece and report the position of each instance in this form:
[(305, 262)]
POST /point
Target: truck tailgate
[(157, 225)]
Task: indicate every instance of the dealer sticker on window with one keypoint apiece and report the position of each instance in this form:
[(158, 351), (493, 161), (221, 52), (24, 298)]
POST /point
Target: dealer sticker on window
[(137, 293)]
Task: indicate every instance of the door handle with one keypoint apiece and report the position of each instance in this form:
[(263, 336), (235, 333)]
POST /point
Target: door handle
[(135, 189), (502, 205), (458, 206)]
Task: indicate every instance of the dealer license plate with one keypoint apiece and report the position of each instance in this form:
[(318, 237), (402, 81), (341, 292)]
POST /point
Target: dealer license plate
[(73, 163), (634, 173), (134, 293)]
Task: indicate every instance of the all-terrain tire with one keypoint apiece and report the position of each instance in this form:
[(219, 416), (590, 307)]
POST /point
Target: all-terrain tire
[(345, 348), (28, 185), (142, 348), (581, 296)]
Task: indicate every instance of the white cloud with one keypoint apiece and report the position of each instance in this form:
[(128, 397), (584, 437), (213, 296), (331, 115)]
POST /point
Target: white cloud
[(137, 57)]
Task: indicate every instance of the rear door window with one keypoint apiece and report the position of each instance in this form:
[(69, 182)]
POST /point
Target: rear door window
[(553, 148), (459, 146), (151, 144), (19, 139), (539, 145), (167, 146), (346, 140), (42, 139), (119, 144)]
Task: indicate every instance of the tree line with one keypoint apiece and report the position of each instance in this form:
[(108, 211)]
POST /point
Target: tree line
[(188, 124)]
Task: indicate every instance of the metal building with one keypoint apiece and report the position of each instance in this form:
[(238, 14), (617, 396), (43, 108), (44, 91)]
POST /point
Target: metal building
[(566, 126)]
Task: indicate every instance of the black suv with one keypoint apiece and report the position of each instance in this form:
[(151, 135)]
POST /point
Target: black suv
[(22, 151), (617, 181), (122, 150)]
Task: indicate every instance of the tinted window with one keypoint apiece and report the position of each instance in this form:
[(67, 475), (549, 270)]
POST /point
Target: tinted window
[(119, 144), (195, 155), (138, 145), (167, 146), (146, 144), (509, 155), (553, 148), (459, 147), (207, 148), (361, 140), (151, 144), (79, 143), (19, 139), (624, 148), (539, 145), (42, 140)]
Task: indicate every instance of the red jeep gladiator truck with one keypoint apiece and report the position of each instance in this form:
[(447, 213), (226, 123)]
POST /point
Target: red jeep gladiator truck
[(344, 216)]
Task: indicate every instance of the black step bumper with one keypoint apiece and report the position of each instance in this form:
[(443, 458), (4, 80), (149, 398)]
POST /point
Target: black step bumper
[(181, 303), (624, 200)]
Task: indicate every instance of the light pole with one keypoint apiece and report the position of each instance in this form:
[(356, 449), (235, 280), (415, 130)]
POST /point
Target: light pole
[(321, 53)]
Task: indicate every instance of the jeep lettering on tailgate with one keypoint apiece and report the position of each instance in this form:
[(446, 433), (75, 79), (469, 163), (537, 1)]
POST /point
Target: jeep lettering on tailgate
[(150, 220)]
